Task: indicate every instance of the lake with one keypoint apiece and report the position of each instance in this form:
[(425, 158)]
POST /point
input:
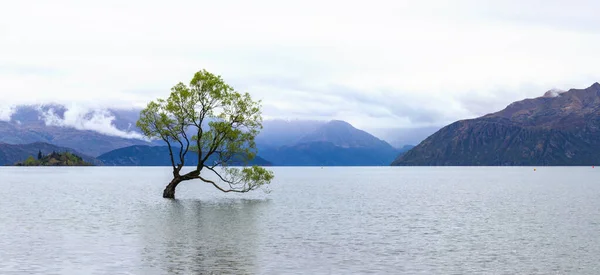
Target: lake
[(385, 220)]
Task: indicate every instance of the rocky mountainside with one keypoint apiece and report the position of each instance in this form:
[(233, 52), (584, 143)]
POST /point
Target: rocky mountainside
[(10, 154), (559, 128)]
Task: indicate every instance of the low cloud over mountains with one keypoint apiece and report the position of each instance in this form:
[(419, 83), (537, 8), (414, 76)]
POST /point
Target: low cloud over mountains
[(111, 122)]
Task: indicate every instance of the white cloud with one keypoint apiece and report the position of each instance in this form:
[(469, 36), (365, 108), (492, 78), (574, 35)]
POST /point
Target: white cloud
[(6, 112), (99, 120), (398, 63)]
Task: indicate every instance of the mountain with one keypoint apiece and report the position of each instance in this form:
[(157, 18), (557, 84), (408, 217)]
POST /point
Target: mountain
[(342, 134), (328, 154), (86, 141), (336, 143), (73, 128), (331, 143), (143, 155), (98, 131), (11, 153), (278, 132), (559, 128)]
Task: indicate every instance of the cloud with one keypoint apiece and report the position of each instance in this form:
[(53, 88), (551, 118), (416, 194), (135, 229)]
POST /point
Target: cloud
[(98, 120), (377, 108), (6, 112), (380, 64), (577, 15)]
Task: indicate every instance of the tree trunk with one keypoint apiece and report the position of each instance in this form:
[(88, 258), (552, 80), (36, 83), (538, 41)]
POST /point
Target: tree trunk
[(169, 192)]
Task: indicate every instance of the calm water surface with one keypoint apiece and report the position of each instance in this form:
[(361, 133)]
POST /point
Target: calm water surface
[(101, 220)]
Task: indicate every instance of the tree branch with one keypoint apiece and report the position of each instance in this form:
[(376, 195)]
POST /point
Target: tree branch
[(219, 187), (219, 175), (187, 145), (213, 147), (222, 160), (175, 170), (198, 137), (166, 139)]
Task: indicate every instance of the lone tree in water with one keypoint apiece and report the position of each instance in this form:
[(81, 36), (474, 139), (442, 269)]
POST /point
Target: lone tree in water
[(216, 124)]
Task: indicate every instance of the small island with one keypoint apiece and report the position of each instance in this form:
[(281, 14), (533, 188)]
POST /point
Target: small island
[(54, 159)]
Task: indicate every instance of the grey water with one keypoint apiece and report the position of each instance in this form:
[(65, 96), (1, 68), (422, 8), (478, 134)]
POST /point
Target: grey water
[(386, 220)]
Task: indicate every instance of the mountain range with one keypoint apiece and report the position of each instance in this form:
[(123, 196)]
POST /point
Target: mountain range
[(559, 128), (331, 144), (110, 136), (53, 124), (335, 143), (144, 155)]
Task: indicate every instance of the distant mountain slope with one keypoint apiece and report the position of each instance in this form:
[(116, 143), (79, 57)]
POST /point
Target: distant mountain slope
[(342, 134), (28, 125), (85, 141), (95, 132), (559, 128), (10, 154), (142, 155), (278, 132), (336, 143), (320, 153)]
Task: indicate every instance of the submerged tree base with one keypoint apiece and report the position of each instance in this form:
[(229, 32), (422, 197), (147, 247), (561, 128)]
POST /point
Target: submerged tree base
[(169, 192)]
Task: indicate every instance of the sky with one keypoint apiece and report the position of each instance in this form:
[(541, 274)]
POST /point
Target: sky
[(375, 64)]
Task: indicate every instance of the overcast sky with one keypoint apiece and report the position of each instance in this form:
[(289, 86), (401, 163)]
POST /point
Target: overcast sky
[(372, 63)]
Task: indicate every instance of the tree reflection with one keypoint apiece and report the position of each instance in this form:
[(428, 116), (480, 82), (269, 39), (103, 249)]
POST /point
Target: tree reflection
[(194, 237)]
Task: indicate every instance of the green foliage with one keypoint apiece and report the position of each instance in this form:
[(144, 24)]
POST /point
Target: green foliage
[(248, 178), (208, 118), (55, 159), (30, 161)]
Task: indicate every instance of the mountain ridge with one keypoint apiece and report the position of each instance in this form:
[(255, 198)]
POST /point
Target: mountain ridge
[(77, 128), (145, 155), (342, 134), (335, 143), (559, 130), (44, 123)]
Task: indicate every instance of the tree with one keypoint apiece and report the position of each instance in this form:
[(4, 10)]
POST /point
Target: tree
[(211, 120), (39, 155), (30, 161)]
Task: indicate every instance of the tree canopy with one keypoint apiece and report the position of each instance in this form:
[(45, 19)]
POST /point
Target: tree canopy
[(208, 118), (54, 159)]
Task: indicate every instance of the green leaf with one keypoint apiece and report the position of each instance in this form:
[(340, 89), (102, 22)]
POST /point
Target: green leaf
[(208, 118)]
